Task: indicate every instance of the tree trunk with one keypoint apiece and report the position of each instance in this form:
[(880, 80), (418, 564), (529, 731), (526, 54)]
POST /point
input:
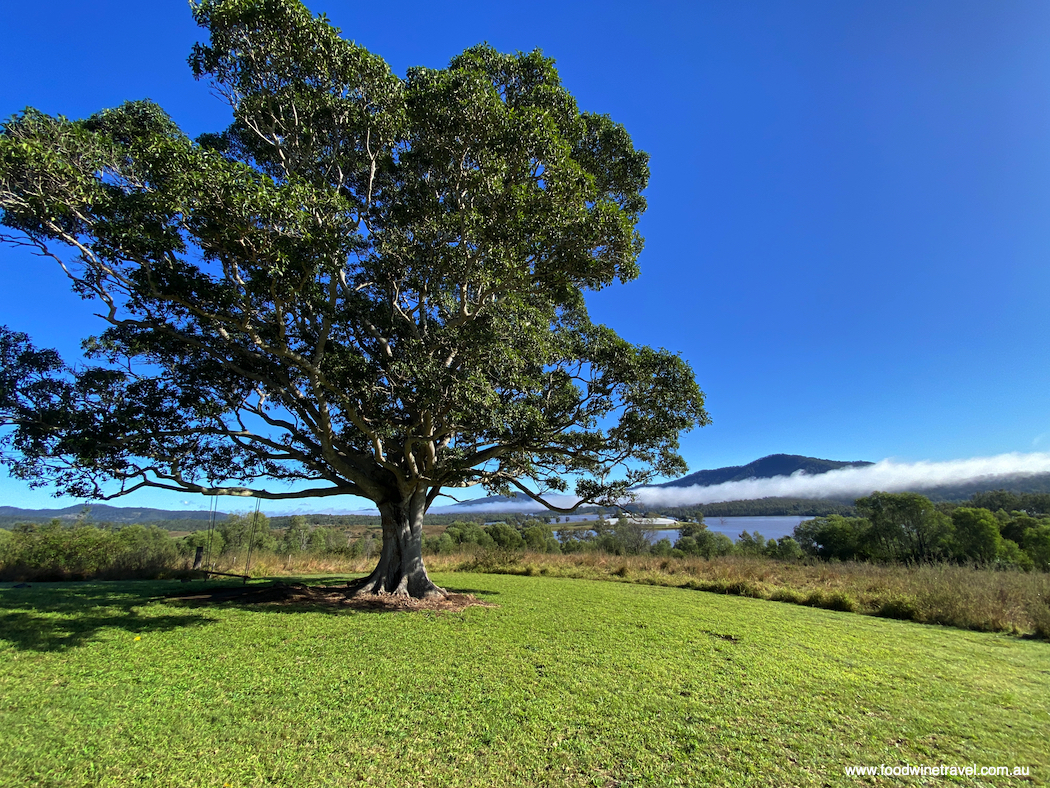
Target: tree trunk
[(400, 571)]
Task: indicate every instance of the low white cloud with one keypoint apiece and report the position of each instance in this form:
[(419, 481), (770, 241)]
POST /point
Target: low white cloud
[(886, 475), (522, 504)]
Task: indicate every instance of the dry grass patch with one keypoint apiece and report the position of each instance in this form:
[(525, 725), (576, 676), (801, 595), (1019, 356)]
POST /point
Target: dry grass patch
[(965, 597), (978, 599)]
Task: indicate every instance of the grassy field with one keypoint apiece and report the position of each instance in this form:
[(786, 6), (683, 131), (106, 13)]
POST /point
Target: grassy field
[(566, 682), (986, 600), (982, 599)]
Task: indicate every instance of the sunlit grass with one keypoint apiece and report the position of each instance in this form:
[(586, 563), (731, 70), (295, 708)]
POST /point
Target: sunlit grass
[(982, 599), (567, 682)]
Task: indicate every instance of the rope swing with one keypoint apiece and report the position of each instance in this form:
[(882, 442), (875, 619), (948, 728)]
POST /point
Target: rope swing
[(251, 538), (211, 534)]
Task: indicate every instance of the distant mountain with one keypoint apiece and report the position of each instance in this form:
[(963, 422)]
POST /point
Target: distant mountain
[(101, 513), (513, 498), (765, 468), (1018, 484)]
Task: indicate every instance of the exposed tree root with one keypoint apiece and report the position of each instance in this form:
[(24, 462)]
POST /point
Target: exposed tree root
[(297, 594), (371, 586)]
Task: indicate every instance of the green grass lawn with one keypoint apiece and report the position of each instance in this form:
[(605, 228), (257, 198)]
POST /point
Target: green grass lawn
[(567, 682)]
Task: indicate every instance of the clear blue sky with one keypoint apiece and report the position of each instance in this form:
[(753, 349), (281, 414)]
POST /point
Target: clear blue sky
[(849, 212)]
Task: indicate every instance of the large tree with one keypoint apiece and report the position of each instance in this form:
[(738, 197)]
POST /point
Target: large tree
[(366, 285)]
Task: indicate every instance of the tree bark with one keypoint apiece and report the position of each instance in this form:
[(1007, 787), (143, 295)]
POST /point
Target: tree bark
[(400, 571)]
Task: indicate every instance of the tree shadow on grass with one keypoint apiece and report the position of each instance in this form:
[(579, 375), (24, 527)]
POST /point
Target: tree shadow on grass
[(294, 597), (62, 616), (475, 591)]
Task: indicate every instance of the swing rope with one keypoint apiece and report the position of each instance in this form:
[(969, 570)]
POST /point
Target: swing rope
[(211, 533), (251, 539)]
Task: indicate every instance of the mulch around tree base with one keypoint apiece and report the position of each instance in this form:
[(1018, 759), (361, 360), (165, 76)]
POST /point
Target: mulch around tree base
[(299, 594)]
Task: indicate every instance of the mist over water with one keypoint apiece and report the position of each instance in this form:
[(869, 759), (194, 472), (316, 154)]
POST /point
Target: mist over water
[(886, 475), (844, 483), (769, 527)]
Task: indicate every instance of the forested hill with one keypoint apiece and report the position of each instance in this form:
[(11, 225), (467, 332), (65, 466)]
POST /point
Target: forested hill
[(765, 468), (101, 513)]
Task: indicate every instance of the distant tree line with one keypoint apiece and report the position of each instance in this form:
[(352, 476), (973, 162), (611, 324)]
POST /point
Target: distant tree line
[(61, 551), (994, 500), (1033, 502), (372, 521), (909, 528), (761, 507), (621, 536), (237, 533), (889, 528), (181, 524)]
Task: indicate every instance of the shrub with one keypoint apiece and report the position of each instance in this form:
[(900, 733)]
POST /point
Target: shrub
[(323, 541), (839, 600), (444, 544), (784, 549), (814, 599), (505, 537), (687, 545), (718, 545), (831, 537), (470, 533), (138, 550), (904, 609), (1011, 556), (57, 552), (296, 537), (237, 531), (187, 546), (746, 544), (697, 540), (1039, 613), (976, 535), (787, 595), (662, 548), (573, 545), (740, 588), (367, 546), (632, 537), (904, 527), (1037, 546), (541, 539)]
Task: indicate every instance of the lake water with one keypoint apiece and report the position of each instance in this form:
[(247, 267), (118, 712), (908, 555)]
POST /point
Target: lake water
[(769, 527)]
